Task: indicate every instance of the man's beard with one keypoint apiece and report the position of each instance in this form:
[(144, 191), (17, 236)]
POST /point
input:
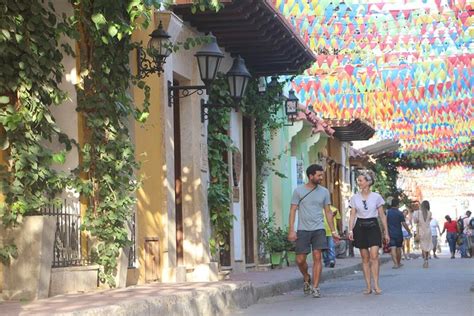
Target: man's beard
[(316, 181)]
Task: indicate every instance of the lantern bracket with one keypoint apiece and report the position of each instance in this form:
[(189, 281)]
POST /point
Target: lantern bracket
[(147, 66), (183, 92), (206, 106)]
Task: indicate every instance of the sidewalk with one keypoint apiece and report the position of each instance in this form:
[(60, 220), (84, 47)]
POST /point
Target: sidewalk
[(241, 291)]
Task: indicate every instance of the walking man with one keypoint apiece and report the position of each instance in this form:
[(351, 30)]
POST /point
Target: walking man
[(434, 235), (395, 220), (311, 200), (466, 235)]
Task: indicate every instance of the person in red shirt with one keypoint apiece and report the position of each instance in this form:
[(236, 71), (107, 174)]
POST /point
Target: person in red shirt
[(452, 228)]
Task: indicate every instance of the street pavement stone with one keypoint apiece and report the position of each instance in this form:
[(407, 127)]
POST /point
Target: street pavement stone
[(442, 289), (240, 291)]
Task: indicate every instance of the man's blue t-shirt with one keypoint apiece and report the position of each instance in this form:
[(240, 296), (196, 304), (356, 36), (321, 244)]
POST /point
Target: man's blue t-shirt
[(395, 219)]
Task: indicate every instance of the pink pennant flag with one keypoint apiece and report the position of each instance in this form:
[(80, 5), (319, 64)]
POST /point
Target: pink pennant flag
[(406, 13), (440, 88), (394, 13), (463, 17), (422, 92), (349, 69)]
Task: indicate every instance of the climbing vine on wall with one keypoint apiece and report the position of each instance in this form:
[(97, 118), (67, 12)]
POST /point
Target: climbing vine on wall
[(219, 144), (264, 108), (103, 30), (30, 74), (105, 176)]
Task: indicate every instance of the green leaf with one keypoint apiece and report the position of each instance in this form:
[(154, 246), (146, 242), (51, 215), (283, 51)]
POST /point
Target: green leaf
[(4, 143), (59, 158), (113, 30), (4, 100), (6, 34), (98, 20)]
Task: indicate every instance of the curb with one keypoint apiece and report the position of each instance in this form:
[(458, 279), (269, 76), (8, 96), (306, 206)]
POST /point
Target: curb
[(214, 299)]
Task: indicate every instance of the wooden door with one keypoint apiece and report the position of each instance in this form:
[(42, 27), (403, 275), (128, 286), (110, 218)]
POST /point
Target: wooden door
[(178, 184), (152, 259), (247, 164)]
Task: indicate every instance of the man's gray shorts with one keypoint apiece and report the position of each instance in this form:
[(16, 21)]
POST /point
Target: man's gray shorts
[(310, 239)]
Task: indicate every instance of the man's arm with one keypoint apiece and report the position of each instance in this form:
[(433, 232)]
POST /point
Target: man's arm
[(291, 221), (383, 218)]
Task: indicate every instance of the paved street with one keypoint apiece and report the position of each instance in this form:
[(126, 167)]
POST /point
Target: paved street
[(443, 289)]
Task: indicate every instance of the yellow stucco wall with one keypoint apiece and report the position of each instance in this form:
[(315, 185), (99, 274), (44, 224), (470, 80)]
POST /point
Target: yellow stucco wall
[(149, 147)]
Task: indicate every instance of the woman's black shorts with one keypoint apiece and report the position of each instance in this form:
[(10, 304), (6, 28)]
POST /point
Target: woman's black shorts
[(367, 233)]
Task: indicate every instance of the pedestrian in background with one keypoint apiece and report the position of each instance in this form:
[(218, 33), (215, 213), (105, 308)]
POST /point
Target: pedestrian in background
[(395, 221), (406, 249), (422, 220), (466, 236), (311, 200), (416, 237), (470, 234), (366, 208), (434, 226), (452, 234), (329, 255)]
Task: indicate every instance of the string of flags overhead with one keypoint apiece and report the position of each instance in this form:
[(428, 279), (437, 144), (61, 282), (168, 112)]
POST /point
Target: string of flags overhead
[(406, 66)]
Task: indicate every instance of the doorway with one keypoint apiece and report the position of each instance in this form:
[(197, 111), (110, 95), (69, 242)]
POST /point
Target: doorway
[(247, 164), (178, 183)]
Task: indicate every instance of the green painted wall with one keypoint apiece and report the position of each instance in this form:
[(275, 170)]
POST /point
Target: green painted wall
[(294, 141)]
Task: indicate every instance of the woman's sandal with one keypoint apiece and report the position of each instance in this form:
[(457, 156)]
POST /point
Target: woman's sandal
[(377, 292), (367, 291)]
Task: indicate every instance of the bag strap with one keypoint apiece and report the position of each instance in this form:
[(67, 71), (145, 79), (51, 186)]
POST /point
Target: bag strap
[(306, 195)]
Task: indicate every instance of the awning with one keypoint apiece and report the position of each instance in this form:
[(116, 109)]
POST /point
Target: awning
[(256, 31), (382, 147), (351, 130)]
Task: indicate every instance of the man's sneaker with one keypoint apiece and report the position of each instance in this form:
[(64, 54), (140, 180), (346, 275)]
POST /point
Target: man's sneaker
[(332, 264), (307, 287), (316, 292)]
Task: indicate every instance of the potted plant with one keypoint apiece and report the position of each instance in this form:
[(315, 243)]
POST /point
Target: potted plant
[(276, 245), (290, 248)]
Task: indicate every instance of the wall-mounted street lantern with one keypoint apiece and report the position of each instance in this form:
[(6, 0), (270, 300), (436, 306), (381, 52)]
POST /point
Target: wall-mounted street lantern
[(158, 49), (262, 85), (273, 83), (291, 107), (238, 77), (209, 59)]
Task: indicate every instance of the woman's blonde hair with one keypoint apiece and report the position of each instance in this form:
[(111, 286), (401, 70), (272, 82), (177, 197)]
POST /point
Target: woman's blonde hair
[(368, 175)]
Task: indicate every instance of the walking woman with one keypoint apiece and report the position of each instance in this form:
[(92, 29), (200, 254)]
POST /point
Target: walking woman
[(406, 236), (366, 206), (423, 220), (452, 228)]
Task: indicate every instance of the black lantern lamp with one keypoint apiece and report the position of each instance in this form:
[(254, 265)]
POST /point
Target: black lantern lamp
[(262, 85), (291, 107), (273, 83), (209, 59), (158, 48), (291, 104), (238, 76)]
